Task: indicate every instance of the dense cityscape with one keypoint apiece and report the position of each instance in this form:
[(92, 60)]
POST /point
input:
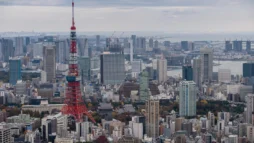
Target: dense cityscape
[(70, 88)]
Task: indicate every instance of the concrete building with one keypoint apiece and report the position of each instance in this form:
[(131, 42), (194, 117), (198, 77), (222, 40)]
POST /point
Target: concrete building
[(188, 93), (144, 86), (85, 68), (248, 46), (237, 45), (137, 129), (228, 46), (112, 68), (250, 107), (136, 68), (197, 72), (49, 62), (162, 70), (20, 88), (5, 134), (211, 117), (233, 138), (19, 46), (224, 75), (150, 43), (152, 118), (15, 70), (187, 73), (206, 56), (37, 49), (7, 49)]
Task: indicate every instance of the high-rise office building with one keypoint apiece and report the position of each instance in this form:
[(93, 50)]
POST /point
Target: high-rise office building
[(152, 118), (162, 70), (185, 45), (206, 55), (98, 41), (167, 44), (7, 49), (188, 93), (49, 62), (60, 51), (136, 68), (5, 134), (37, 49), (250, 107), (224, 75), (112, 68), (248, 69), (28, 41), (19, 46), (144, 86), (228, 46), (15, 70), (187, 73), (131, 50), (248, 45), (197, 71), (150, 43), (133, 38), (156, 44), (81, 46), (237, 46), (85, 68)]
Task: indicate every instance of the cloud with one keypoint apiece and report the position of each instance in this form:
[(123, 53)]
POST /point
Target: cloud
[(123, 3)]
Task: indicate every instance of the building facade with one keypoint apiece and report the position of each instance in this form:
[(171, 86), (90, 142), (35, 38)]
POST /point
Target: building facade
[(206, 56), (152, 118), (162, 70), (112, 68), (15, 70), (49, 62), (187, 73), (187, 104)]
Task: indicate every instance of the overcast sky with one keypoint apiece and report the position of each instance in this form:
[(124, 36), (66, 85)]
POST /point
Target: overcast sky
[(128, 15)]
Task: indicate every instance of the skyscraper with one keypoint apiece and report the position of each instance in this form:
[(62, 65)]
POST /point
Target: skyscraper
[(185, 45), (144, 86), (98, 41), (248, 69), (156, 44), (15, 70), (136, 67), (162, 70), (7, 49), (60, 51), (187, 73), (131, 50), (81, 46), (187, 104), (228, 46), (49, 62), (152, 118), (85, 68), (112, 68), (133, 38), (250, 107), (206, 55), (19, 46), (248, 45), (237, 46), (150, 43), (197, 71)]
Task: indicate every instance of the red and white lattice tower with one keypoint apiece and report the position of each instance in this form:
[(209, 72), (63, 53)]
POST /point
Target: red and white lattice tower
[(73, 98)]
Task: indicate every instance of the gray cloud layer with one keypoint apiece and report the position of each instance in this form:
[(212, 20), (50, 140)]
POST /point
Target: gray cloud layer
[(125, 3)]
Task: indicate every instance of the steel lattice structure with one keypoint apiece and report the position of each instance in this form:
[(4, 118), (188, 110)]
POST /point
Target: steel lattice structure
[(74, 104)]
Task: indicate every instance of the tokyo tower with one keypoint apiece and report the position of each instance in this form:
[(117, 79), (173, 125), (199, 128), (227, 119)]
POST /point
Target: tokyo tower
[(74, 104)]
